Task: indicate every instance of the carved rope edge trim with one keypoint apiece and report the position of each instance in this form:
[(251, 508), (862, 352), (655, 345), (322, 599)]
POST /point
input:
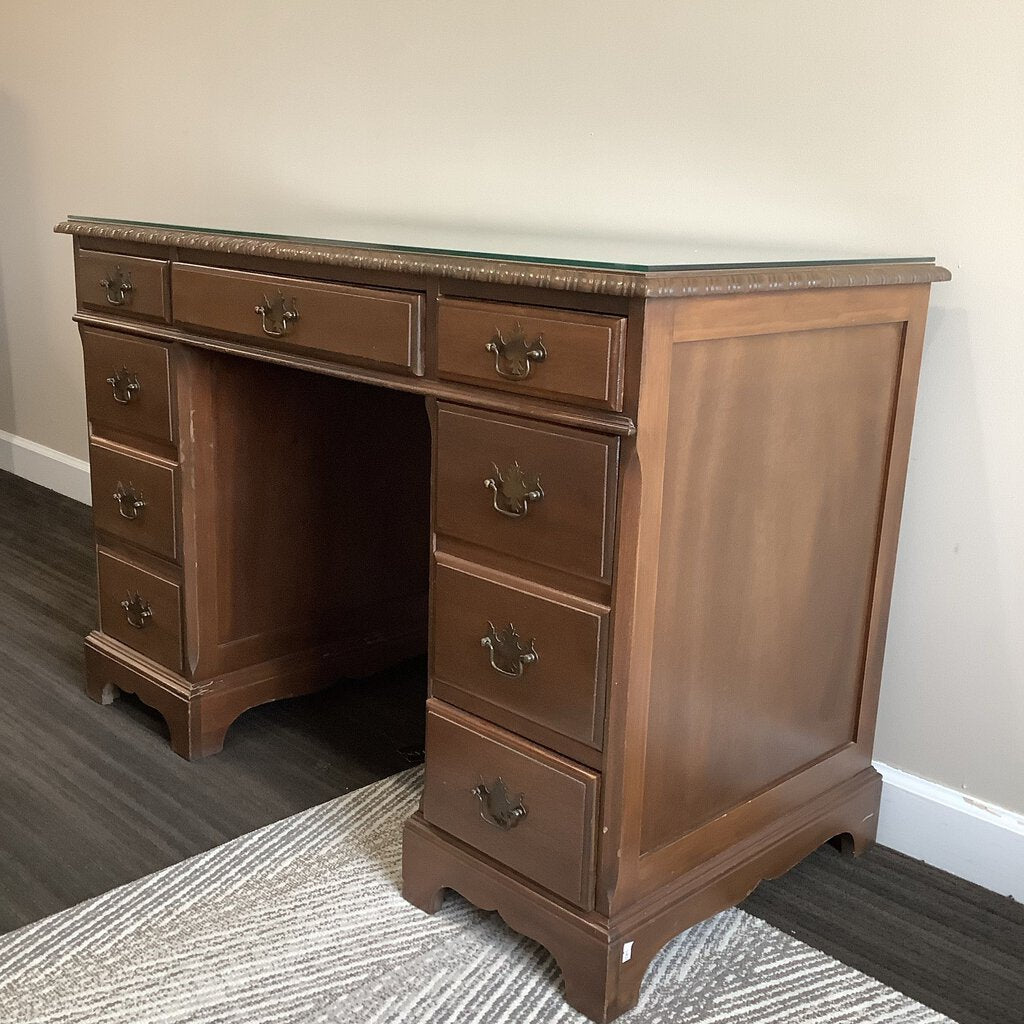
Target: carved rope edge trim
[(688, 284)]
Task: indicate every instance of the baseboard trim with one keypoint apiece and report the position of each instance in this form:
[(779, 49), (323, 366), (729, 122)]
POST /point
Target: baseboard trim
[(952, 831), (45, 466)]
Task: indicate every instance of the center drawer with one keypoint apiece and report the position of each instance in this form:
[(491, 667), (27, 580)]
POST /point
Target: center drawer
[(527, 808), (536, 492), (367, 324)]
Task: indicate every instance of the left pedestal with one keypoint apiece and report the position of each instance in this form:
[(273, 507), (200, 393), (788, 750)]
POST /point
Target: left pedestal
[(243, 558)]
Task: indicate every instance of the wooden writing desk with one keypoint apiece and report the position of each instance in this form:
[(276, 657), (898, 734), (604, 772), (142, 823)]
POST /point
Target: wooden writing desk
[(645, 519)]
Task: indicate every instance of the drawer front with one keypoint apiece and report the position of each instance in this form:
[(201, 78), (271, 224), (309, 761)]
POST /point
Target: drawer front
[(367, 324), (125, 285), (530, 810), (133, 497), (490, 472), (537, 657), (128, 385), (548, 353), (151, 624)]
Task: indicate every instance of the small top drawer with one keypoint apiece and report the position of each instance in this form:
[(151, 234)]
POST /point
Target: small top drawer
[(547, 353), (128, 385), (127, 285), (537, 492), (366, 324)]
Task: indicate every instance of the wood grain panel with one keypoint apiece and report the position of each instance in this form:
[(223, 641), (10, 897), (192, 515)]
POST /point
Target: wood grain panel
[(149, 295), (583, 361), (113, 468), (554, 843), (569, 529), (160, 639), (371, 324), (562, 691), (148, 413), (777, 455)]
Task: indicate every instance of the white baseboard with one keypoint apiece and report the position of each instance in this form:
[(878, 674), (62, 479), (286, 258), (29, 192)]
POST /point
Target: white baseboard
[(949, 830), (46, 466)]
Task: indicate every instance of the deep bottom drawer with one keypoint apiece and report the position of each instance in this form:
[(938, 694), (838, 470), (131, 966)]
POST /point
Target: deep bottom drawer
[(527, 808), (140, 609)]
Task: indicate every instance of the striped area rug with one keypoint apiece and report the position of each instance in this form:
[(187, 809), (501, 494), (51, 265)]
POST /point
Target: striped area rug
[(302, 921)]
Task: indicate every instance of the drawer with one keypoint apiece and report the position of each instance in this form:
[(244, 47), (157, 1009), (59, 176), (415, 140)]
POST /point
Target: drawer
[(498, 345), (126, 285), (486, 464), (366, 324), (527, 808), (151, 622), (133, 497), (128, 385), (541, 658)]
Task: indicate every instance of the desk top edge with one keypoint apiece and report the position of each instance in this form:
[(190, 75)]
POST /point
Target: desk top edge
[(673, 282)]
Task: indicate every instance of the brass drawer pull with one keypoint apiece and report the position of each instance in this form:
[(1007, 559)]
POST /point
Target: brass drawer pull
[(508, 655), (129, 501), (137, 611), (499, 808), (118, 286), (512, 357), (125, 384), (514, 490), (277, 315)]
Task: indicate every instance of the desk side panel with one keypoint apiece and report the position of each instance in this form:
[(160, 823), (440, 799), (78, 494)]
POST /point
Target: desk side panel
[(772, 442)]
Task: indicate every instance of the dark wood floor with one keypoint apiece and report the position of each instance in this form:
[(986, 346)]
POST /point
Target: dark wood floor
[(92, 797)]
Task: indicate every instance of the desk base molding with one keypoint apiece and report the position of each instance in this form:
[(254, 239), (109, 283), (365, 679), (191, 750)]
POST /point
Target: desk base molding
[(199, 714), (604, 960)]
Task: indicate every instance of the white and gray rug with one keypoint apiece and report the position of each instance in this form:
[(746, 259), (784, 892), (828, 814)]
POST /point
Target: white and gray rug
[(303, 921)]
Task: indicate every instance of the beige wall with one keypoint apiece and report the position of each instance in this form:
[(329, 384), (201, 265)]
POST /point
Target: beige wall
[(892, 127)]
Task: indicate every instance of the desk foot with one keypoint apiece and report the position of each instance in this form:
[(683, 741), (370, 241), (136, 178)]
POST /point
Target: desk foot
[(199, 713), (101, 692)]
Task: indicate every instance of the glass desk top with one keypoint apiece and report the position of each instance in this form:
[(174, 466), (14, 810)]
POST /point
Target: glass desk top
[(645, 255)]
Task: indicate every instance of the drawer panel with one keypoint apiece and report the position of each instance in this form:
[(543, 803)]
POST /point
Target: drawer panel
[(527, 808), (152, 623), (570, 527), (366, 324), (133, 497), (128, 385), (489, 343), (551, 673), (125, 285)]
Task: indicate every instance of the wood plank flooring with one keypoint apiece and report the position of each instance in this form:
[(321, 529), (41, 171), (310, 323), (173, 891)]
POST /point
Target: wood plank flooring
[(91, 797)]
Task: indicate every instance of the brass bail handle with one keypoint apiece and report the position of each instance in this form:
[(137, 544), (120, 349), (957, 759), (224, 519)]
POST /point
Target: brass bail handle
[(118, 286), (130, 502), (508, 654), (137, 611), (277, 315), (125, 385), (514, 356), (498, 806), (514, 490)]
